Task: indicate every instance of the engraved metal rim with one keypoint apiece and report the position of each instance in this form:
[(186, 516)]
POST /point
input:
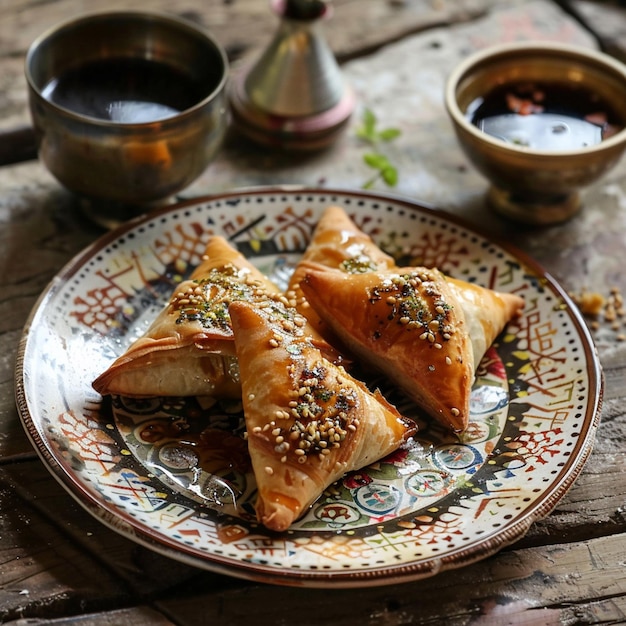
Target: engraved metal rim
[(503, 51)]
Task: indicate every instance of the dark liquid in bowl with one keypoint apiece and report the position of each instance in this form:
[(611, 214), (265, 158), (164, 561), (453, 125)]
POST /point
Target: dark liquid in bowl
[(545, 116), (125, 90)]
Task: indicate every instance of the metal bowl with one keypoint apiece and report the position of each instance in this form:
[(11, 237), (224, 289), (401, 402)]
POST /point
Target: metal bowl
[(533, 185), (136, 162)]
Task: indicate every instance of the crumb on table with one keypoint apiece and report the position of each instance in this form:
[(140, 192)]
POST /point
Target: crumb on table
[(603, 311)]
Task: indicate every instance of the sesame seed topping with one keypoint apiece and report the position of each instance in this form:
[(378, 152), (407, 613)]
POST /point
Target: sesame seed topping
[(205, 301)]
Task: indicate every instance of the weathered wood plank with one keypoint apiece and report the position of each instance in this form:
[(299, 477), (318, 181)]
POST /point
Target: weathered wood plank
[(247, 24), (137, 616), (42, 573), (606, 20), (242, 27), (533, 586)]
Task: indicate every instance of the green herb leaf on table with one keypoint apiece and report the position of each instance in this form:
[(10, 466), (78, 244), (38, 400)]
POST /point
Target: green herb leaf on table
[(369, 133)]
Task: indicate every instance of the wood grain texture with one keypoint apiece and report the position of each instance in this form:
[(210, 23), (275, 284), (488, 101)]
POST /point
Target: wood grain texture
[(242, 28), (60, 565), (528, 586)]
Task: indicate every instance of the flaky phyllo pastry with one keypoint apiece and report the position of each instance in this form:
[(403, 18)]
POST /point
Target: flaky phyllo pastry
[(337, 243), (229, 332), (188, 349), (308, 421), (427, 333)]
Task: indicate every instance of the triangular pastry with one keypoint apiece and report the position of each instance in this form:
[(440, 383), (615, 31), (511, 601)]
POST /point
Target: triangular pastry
[(189, 348), (487, 312), (425, 332), (308, 422), (337, 243)]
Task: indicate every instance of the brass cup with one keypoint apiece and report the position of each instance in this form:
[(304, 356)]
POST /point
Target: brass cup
[(530, 185), (119, 168)]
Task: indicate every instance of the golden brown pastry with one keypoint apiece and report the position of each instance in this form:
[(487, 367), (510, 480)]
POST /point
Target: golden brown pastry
[(189, 349), (338, 243), (308, 422), (425, 332), (487, 312)]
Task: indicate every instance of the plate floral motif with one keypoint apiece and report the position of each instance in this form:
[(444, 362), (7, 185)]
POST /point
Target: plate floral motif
[(173, 473)]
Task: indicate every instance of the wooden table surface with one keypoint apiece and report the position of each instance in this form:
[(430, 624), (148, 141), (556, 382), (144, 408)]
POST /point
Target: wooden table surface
[(61, 566)]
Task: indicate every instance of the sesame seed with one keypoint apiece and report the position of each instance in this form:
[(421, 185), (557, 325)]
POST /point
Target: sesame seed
[(455, 411), (269, 471)]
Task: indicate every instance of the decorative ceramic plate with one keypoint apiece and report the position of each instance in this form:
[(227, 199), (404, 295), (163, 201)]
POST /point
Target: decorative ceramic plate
[(173, 473)]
